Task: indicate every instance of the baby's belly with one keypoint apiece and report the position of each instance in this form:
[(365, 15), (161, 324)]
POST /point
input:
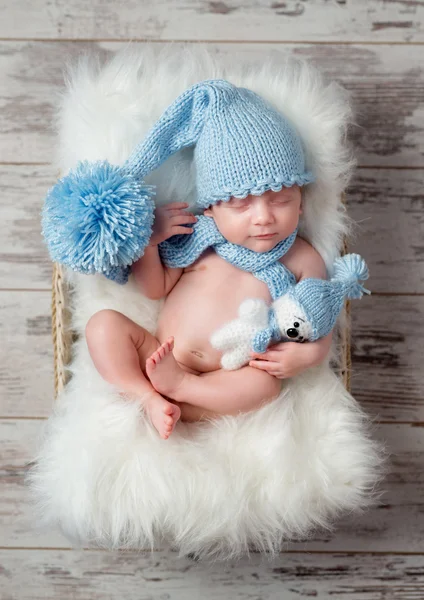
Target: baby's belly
[(206, 296)]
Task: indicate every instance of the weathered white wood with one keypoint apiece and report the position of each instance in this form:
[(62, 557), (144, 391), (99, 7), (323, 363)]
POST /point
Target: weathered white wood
[(387, 352), (26, 353), (388, 208), (386, 82), (252, 20), (24, 260), (387, 356), (395, 525), (53, 575), (386, 204)]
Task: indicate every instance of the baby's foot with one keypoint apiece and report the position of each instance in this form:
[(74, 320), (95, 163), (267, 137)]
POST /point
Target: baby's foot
[(164, 372), (163, 414)]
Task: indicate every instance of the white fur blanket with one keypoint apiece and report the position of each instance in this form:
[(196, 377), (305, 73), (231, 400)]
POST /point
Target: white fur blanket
[(102, 474)]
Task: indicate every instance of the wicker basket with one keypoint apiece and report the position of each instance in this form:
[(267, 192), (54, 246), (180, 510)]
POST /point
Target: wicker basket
[(63, 336)]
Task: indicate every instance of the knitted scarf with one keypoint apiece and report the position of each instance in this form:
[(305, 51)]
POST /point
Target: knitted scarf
[(183, 250)]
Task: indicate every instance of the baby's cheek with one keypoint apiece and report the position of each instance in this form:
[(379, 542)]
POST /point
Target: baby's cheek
[(233, 229)]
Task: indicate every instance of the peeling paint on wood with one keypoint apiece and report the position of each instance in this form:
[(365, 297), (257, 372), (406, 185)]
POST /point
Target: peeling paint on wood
[(247, 20), (26, 354), (379, 78), (53, 575)]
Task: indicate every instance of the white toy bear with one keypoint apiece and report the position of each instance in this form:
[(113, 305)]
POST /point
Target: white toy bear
[(236, 338), (307, 311)]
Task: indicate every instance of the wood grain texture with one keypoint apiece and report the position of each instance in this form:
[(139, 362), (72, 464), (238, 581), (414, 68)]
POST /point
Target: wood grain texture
[(387, 206), (362, 20), (386, 83), (54, 574), (24, 259), (395, 524), (26, 354), (387, 357)]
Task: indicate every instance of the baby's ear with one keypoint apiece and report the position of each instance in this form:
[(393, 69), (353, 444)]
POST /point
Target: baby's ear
[(208, 212)]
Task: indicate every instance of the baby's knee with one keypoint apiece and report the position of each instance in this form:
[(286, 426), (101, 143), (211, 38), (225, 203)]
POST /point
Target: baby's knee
[(102, 324)]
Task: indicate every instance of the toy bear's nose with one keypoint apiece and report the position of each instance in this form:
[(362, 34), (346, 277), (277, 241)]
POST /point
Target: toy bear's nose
[(292, 333)]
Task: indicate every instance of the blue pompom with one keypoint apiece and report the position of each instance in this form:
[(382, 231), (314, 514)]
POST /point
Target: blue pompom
[(351, 269), (98, 218)]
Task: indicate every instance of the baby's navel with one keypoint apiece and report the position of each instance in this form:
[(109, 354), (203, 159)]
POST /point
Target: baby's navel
[(196, 353)]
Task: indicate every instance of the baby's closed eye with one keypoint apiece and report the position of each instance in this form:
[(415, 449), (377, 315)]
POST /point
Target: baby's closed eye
[(238, 203)]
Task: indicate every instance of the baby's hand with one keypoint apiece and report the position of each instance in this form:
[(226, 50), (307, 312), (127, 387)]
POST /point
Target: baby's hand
[(169, 220), (288, 359)]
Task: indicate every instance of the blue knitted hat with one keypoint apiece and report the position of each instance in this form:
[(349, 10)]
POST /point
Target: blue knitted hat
[(99, 217), (242, 145)]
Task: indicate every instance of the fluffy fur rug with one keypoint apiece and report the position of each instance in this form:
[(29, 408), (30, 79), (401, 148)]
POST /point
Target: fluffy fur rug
[(102, 474)]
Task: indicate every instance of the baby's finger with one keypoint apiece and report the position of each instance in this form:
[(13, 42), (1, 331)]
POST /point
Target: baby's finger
[(269, 355), (174, 212), (264, 365), (182, 219), (175, 205), (176, 230)]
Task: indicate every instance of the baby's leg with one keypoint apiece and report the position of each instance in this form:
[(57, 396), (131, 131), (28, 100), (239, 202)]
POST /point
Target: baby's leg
[(223, 392), (119, 349)]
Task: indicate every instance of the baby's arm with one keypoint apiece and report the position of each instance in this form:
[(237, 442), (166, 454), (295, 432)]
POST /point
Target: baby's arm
[(227, 392), (288, 359), (154, 279)]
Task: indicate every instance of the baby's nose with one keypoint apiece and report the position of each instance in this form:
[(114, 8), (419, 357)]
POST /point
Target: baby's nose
[(262, 213)]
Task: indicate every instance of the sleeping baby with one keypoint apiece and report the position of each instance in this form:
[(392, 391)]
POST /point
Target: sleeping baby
[(250, 169), (177, 369)]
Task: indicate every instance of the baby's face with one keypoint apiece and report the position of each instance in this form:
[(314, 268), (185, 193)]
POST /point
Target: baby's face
[(258, 222)]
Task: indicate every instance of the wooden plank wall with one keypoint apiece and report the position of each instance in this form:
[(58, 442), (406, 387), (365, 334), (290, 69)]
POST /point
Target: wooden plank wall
[(375, 49)]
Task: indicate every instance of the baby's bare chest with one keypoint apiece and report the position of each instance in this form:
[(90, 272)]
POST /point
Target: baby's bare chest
[(207, 295), (216, 287)]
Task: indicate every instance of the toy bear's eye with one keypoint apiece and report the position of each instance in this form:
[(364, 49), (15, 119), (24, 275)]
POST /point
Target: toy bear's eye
[(296, 324)]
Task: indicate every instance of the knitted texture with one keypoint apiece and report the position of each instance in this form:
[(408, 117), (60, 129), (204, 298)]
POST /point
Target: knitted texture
[(183, 250), (98, 220), (322, 300), (265, 336), (308, 311), (99, 217), (242, 144)]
